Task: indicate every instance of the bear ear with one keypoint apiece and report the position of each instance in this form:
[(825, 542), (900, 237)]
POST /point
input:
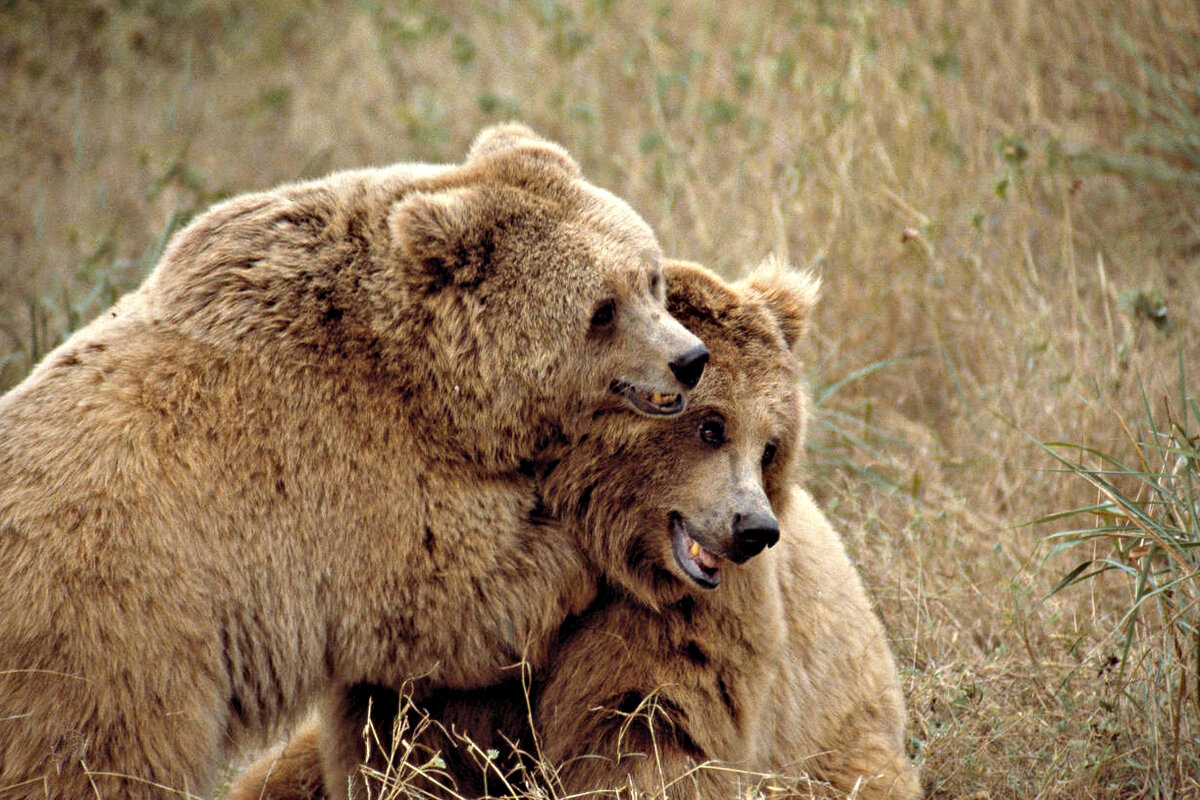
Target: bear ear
[(788, 294), (514, 139), (446, 237)]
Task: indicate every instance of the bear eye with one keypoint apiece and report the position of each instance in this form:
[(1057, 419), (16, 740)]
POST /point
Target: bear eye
[(655, 283), (768, 456), (712, 431), (605, 313)]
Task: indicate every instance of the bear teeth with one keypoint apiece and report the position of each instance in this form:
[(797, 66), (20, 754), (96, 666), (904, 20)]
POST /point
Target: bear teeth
[(664, 398), (708, 561)]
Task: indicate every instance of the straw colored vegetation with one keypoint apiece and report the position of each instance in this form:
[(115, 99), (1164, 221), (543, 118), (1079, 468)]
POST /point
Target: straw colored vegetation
[(1003, 199)]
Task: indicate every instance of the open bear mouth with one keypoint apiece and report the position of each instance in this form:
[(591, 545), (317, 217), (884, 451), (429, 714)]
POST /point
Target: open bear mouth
[(652, 403), (700, 565)]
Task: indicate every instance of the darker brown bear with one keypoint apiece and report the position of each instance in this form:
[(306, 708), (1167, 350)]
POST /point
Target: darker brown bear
[(692, 676), (298, 459)]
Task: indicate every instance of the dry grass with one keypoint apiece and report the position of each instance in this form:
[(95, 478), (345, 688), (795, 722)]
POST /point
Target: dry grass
[(980, 184)]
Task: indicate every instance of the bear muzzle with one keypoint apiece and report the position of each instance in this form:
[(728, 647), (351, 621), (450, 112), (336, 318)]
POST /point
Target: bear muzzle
[(687, 368), (662, 360), (751, 533)]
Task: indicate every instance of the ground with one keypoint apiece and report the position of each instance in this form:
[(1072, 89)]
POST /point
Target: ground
[(999, 199)]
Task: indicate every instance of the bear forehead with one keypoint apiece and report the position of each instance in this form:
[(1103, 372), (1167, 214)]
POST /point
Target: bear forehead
[(739, 382), (574, 211), (726, 321), (749, 361), (745, 340), (613, 219)]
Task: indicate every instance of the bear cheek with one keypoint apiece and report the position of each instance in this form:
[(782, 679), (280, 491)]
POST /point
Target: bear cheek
[(606, 367)]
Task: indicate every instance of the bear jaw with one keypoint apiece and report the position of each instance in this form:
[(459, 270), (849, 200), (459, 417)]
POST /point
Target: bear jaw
[(654, 404)]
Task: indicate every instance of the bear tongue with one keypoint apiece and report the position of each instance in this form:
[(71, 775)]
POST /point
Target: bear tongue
[(708, 560)]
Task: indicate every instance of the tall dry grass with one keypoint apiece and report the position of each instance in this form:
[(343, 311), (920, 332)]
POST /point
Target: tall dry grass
[(1002, 198)]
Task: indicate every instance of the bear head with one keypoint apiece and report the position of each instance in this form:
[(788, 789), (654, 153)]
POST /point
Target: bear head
[(543, 295), (498, 302), (665, 506)]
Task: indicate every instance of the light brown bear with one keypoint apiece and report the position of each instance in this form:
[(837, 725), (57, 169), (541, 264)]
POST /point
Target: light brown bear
[(300, 457), (697, 672)]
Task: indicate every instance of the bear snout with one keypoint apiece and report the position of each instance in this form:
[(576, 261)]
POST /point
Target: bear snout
[(751, 534), (689, 366)]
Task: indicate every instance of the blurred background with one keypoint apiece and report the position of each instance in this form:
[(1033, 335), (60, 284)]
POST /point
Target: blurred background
[(1003, 199)]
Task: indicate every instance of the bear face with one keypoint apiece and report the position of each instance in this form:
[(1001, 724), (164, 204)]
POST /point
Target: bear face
[(598, 331), (708, 485), (527, 226)]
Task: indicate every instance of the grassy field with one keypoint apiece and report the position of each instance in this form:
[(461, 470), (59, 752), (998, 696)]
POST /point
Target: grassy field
[(1003, 199)]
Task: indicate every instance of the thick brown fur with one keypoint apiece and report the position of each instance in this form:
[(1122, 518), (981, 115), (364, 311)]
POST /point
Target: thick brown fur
[(301, 458), (663, 686)]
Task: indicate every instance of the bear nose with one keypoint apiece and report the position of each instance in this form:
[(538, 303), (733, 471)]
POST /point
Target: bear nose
[(690, 366), (751, 533)]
